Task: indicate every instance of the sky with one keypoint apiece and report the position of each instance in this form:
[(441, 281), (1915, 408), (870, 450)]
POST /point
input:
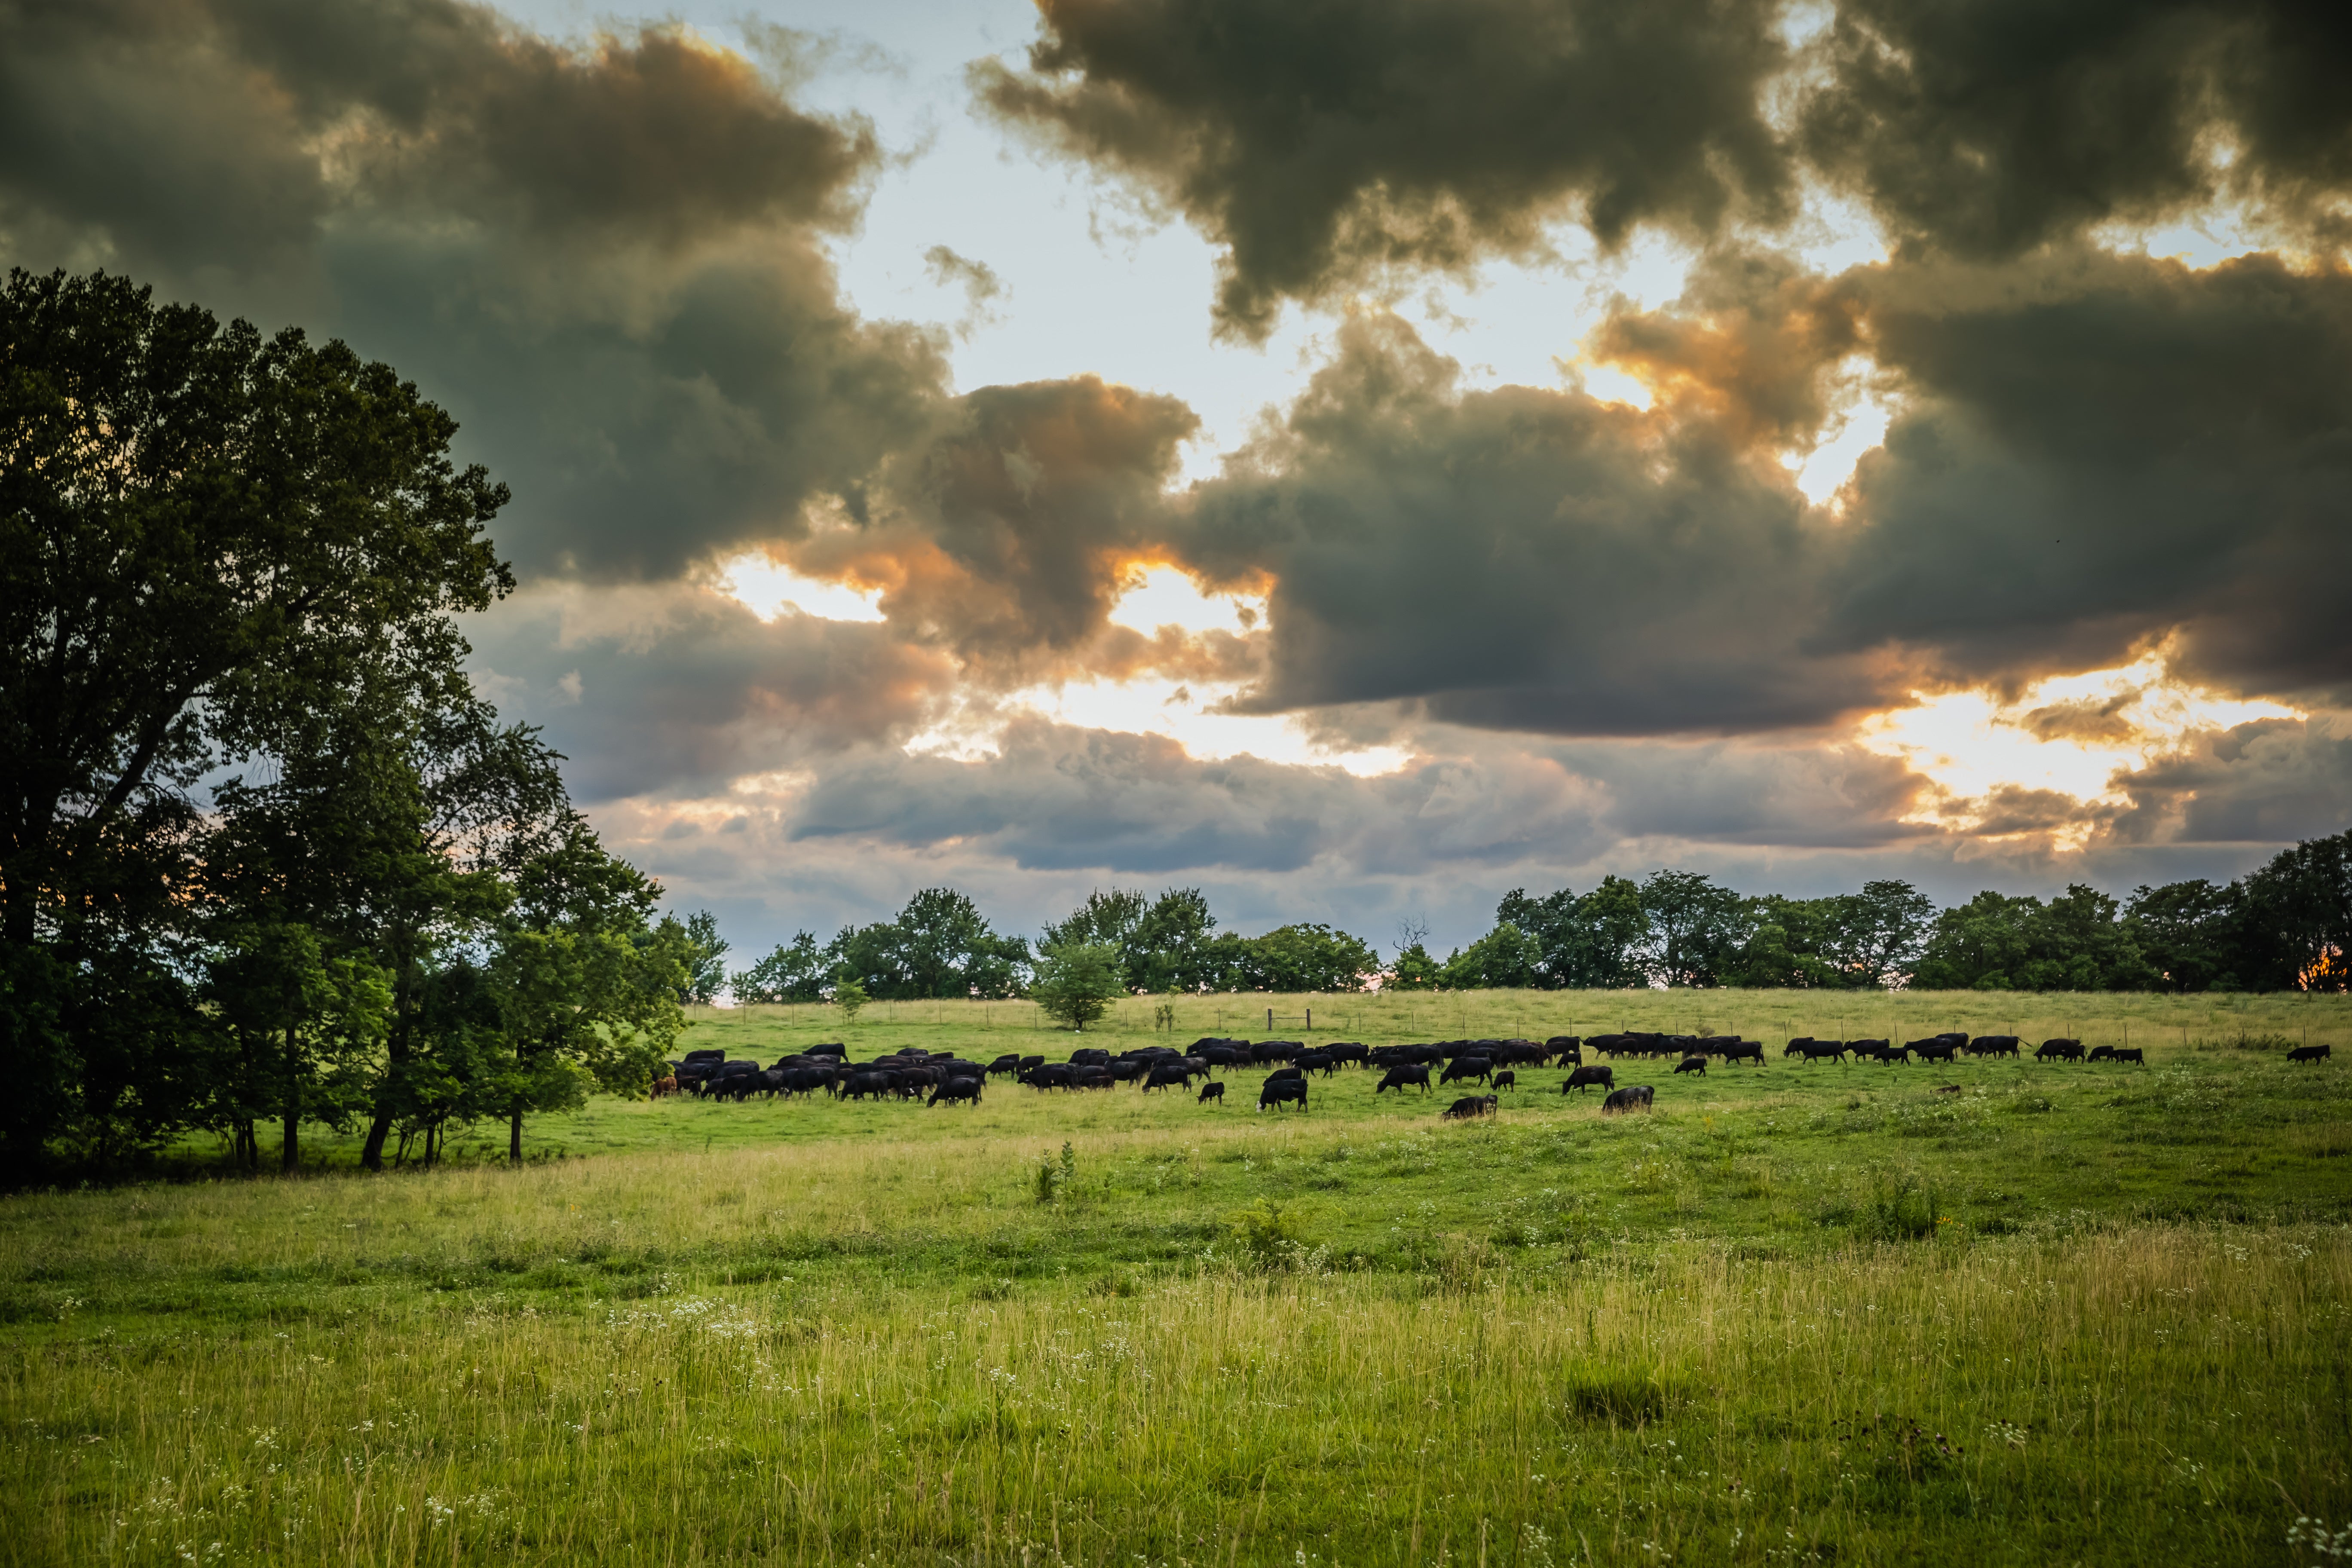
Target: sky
[(1355, 456)]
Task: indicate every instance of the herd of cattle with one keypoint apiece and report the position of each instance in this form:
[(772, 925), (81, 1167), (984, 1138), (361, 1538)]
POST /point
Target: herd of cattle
[(944, 1079)]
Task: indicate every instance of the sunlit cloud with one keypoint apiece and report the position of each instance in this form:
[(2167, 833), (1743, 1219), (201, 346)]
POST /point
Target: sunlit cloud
[(2067, 736), (769, 588), (1159, 596), (1190, 714), (1823, 472)]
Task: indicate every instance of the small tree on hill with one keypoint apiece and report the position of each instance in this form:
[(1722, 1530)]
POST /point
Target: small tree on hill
[(1078, 981)]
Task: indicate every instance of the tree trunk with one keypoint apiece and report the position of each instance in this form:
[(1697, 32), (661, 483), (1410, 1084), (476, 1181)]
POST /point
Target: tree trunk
[(514, 1135), (290, 1156)]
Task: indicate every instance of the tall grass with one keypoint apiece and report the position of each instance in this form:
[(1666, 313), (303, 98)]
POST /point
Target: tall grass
[(691, 1357)]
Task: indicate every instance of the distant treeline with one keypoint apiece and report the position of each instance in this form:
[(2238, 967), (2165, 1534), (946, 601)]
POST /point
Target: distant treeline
[(2284, 927)]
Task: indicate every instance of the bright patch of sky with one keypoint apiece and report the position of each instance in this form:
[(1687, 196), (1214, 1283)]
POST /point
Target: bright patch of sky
[(769, 588), (2071, 735)]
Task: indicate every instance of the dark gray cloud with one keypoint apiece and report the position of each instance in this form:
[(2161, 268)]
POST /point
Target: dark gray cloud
[(606, 262), (1526, 559), (1321, 141), (1987, 127), (671, 691), (2101, 451), (2271, 781)]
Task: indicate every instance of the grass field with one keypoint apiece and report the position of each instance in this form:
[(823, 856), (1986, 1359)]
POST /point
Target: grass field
[(1822, 1314)]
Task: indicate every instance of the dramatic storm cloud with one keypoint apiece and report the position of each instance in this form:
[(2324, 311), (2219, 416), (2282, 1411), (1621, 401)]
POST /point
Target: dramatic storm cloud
[(1355, 457)]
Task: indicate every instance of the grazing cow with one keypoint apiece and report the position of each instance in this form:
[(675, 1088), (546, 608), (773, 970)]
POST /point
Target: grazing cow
[(1692, 1064), (664, 1086), (864, 1084), (1005, 1066), (2131, 1054), (1278, 1091), (2059, 1051), (1583, 1078), (1468, 1105), (1504, 1079), (1210, 1092), (1994, 1045), (1396, 1077), (2308, 1054), (1633, 1097), (1744, 1051), (966, 1090), (2102, 1054), (1463, 1068)]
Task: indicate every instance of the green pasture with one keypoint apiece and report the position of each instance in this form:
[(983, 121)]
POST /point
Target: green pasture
[(2068, 1315)]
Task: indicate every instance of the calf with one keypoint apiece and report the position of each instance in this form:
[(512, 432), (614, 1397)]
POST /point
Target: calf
[(1633, 1097), (1583, 1078), (1215, 1091), (1278, 1091), (1468, 1105), (1397, 1077), (1692, 1064), (1503, 1080), (2308, 1054)]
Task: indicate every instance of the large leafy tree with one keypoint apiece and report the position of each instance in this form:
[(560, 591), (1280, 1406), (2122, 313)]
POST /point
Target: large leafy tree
[(586, 984), (207, 539)]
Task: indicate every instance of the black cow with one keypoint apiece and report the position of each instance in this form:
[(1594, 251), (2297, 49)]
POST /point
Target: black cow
[(1504, 1079), (1633, 1097), (2131, 1054), (833, 1048), (1566, 1049), (1169, 1076), (1468, 1105), (1088, 1076), (1049, 1075), (1463, 1068), (966, 1090), (1090, 1057), (1583, 1078), (1031, 1063), (2102, 1054), (2308, 1054), (1398, 1076), (1277, 1091), (1210, 1092), (1994, 1045), (1005, 1066), (1283, 1075), (1692, 1064), (1266, 1051), (1744, 1051), (868, 1085), (1874, 1050), (1937, 1048), (2059, 1051), (1814, 1050)]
